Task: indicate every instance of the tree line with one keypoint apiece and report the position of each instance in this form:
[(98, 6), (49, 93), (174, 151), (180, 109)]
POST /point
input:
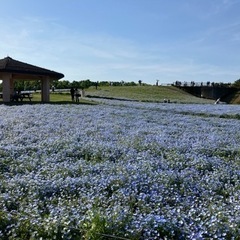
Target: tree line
[(26, 85)]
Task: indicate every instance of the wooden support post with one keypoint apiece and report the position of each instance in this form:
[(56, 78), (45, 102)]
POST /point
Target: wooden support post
[(45, 89), (6, 84)]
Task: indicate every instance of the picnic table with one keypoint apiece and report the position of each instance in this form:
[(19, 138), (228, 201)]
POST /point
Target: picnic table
[(25, 96), (20, 96)]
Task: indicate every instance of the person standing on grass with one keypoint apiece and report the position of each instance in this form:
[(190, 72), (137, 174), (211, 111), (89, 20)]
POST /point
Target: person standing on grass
[(77, 95), (72, 91)]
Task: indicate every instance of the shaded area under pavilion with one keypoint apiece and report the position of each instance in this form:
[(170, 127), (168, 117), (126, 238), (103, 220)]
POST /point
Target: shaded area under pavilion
[(12, 70)]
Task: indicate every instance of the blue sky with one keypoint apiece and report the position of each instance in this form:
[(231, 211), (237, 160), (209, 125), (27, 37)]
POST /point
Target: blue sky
[(129, 40)]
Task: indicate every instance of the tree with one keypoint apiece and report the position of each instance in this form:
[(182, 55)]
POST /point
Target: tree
[(61, 84), (86, 84), (104, 83), (237, 83), (26, 85)]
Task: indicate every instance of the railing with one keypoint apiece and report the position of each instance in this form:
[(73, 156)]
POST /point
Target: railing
[(201, 84)]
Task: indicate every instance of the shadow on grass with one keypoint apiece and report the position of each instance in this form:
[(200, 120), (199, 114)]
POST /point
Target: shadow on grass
[(112, 98)]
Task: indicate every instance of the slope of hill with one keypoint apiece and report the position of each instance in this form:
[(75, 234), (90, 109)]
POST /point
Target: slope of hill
[(145, 93), (234, 98)]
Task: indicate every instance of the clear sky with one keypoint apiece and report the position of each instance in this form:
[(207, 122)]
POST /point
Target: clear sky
[(129, 40)]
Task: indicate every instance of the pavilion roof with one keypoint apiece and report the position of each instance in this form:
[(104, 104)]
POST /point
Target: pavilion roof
[(11, 65)]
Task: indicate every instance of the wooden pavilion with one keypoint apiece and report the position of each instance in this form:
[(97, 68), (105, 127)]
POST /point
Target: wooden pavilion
[(11, 70)]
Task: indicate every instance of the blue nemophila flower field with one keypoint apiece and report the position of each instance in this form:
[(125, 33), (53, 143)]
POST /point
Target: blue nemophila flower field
[(120, 169)]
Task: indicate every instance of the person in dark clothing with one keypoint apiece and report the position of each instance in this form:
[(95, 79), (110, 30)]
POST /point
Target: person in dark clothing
[(72, 91)]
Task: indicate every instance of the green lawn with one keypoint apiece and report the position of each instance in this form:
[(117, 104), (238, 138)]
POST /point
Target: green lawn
[(146, 93), (138, 93), (57, 98), (62, 98)]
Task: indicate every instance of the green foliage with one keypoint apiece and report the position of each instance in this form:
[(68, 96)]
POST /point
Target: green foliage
[(237, 83), (82, 84), (96, 227), (86, 84), (62, 84), (27, 85), (100, 228)]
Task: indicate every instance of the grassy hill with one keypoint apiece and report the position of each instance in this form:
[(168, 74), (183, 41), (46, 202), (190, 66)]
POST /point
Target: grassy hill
[(233, 98), (145, 93), (138, 93)]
